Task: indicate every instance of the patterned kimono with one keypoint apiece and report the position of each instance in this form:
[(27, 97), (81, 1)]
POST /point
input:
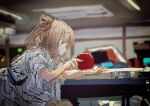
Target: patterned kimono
[(35, 91)]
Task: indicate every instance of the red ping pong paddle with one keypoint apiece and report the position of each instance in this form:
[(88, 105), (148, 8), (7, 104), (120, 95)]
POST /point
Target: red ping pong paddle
[(87, 63)]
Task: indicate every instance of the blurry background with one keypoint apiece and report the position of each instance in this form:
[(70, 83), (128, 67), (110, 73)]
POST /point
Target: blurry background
[(122, 24), (119, 23)]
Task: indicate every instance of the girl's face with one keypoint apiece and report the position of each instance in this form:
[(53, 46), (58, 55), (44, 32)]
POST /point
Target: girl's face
[(62, 48)]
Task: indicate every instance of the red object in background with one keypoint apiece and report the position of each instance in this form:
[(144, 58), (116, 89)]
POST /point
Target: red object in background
[(88, 61), (134, 62), (111, 55)]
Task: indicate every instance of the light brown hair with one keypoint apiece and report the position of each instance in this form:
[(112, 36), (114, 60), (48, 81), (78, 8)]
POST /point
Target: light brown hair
[(48, 33)]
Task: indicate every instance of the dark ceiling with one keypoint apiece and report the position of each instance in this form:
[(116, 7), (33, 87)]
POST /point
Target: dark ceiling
[(123, 13)]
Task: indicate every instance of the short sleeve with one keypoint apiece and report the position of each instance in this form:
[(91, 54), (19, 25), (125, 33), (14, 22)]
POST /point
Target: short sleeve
[(36, 61)]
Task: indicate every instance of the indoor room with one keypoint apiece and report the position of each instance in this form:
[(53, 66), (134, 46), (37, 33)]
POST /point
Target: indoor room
[(74, 52)]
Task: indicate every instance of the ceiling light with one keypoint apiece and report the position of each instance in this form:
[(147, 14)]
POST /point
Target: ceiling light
[(134, 5), (13, 15), (77, 12)]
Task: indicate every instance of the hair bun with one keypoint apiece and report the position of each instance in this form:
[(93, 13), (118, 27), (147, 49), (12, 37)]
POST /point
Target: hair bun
[(46, 21)]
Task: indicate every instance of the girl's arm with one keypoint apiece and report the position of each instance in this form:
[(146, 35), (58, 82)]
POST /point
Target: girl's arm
[(72, 74), (50, 75)]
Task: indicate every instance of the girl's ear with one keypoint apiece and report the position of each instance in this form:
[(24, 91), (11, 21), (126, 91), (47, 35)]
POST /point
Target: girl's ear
[(60, 42), (37, 41)]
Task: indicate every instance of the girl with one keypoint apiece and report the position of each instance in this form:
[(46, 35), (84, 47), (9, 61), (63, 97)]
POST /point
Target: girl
[(34, 79)]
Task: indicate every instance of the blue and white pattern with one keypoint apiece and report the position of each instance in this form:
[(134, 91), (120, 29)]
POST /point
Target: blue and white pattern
[(35, 91)]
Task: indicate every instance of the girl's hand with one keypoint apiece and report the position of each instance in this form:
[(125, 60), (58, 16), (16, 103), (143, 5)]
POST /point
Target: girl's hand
[(72, 64), (99, 70)]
